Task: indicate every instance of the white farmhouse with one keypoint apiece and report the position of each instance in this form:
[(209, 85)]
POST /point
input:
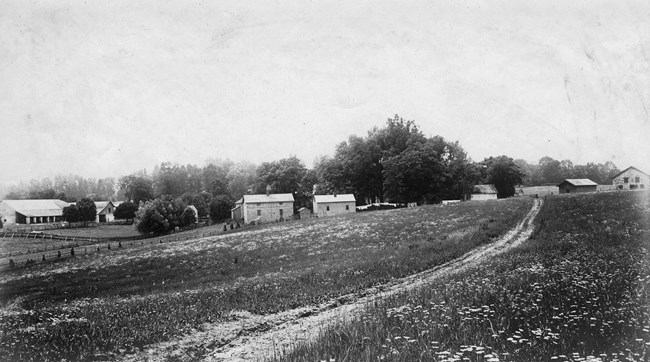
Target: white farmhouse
[(328, 205)]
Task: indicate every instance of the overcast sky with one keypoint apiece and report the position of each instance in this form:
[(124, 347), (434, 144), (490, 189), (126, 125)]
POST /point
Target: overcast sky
[(106, 88)]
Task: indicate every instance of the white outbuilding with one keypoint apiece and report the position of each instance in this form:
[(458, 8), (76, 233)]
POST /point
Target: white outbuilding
[(328, 205)]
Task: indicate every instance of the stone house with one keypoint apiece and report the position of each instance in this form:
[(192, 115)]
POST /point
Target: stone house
[(577, 185), (32, 211), (328, 205), (631, 179), (483, 192), (263, 208)]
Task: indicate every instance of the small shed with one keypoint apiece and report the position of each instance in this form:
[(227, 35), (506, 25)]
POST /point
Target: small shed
[(304, 213), (328, 205), (484, 192), (572, 185), (235, 212)]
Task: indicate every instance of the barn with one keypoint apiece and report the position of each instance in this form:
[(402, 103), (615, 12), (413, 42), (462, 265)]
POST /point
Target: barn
[(263, 208), (484, 192), (577, 185), (631, 179), (105, 211), (32, 211), (328, 205)]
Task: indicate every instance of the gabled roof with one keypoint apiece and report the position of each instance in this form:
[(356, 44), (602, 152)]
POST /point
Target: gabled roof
[(101, 205), (270, 198), (579, 182), (48, 207), (627, 169), (334, 198), (485, 189)]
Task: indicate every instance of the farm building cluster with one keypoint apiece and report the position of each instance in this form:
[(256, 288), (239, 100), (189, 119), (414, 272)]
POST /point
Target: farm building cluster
[(269, 207), (47, 211), (262, 208)]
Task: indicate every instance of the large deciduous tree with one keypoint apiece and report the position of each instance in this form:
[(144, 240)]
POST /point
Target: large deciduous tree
[(220, 207), (160, 215), (415, 174), (87, 210), (71, 213), (137, 188), (503, 172), (126, 210)]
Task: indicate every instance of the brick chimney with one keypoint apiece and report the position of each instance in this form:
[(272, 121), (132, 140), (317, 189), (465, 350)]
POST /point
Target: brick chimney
[(268, 190)]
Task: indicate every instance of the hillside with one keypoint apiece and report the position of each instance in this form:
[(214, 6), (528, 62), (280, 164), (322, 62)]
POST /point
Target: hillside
[(578, 290), (112, 303)]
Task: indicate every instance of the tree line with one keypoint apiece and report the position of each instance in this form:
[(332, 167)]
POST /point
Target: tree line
[(394, 163)]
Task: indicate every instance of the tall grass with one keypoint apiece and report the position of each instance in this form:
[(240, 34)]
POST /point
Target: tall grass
[(578, 291), (101, 305)]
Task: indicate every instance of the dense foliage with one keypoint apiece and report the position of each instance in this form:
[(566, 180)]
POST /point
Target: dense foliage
[(550, 171), (220, 208), (161, 215), (503, 173), (71, 213), (87, 210), (395, 163), (125, 210)]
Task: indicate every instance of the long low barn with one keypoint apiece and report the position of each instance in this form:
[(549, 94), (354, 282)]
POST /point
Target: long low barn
[(32, 211), (577, 185)]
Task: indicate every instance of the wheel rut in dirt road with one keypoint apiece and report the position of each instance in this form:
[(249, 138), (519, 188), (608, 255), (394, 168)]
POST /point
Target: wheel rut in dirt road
[(250, 337)]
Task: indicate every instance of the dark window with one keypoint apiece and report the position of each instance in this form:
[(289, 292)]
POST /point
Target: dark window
[(347, 207), (328, 208), (636, 179), (281, 212), (626, 180), (642, 186), (280, 204), (259, 212)]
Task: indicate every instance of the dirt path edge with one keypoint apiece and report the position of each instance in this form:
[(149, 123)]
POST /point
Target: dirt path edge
[(249, 337)]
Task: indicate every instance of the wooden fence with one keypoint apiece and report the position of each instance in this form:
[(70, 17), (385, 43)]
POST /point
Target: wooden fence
[(86, 245)]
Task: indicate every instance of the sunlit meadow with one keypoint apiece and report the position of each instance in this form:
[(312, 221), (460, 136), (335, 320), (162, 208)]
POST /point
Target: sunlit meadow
[(117, 301), (579, 290)]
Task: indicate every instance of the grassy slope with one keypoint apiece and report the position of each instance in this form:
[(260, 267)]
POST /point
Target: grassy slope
[(580, 290), (103, 303)]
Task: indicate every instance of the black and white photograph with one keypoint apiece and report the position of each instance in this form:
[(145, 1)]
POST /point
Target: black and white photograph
[(325, 181)]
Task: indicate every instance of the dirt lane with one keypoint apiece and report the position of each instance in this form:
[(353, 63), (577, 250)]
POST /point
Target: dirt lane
[(249, 337)]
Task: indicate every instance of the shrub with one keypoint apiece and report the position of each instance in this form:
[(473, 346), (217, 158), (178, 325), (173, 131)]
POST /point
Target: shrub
[(71, 213), (126, 210), (220, 207), (160, 215)]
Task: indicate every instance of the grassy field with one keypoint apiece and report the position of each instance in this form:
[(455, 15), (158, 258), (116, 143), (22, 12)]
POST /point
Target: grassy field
[(97, 306), (578, 291), (99, 231)]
